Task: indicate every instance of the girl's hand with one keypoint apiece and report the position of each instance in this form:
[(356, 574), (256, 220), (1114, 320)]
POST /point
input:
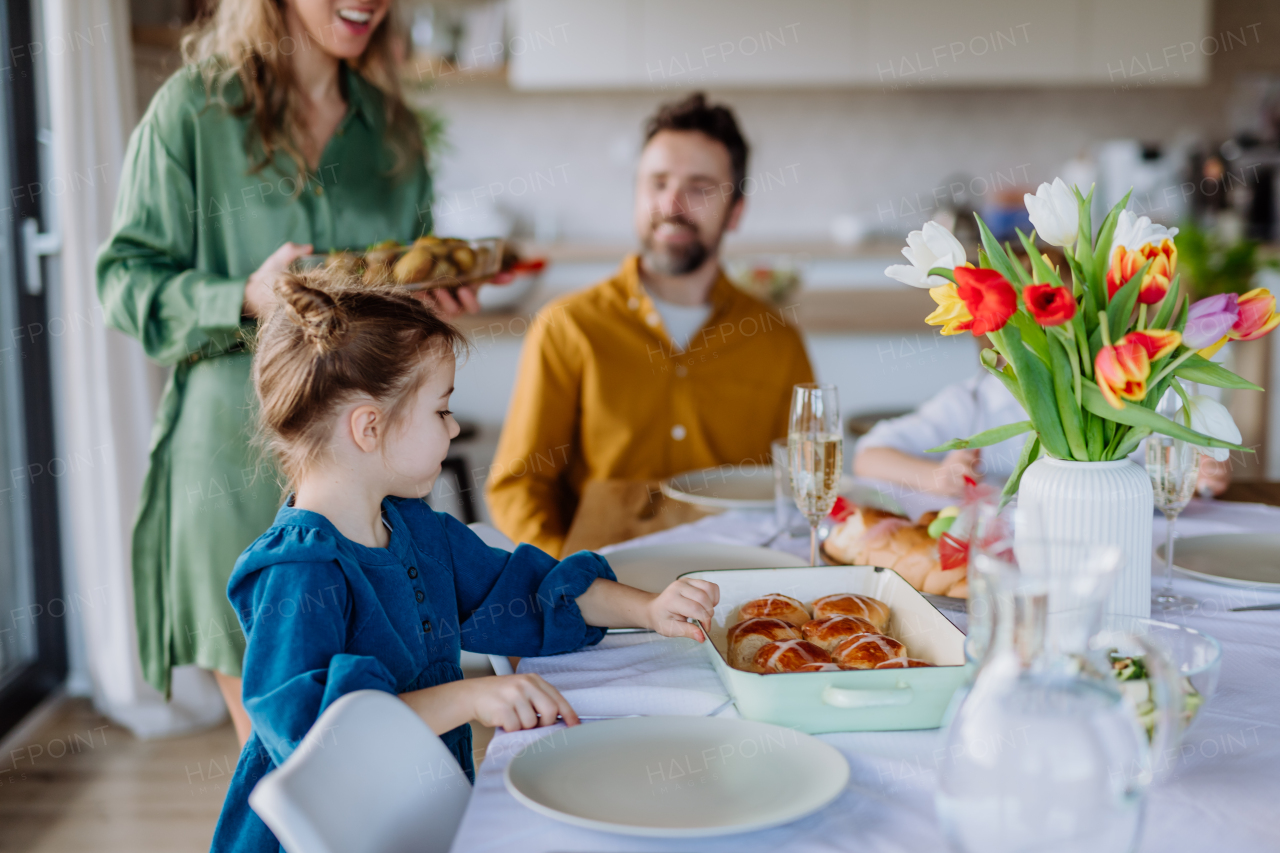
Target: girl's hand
[(517, 702), (953, 469), (258, 292), (684, 599)]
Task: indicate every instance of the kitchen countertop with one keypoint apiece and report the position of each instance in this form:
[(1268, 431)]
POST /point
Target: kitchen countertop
[(845, 290), (816, 311)]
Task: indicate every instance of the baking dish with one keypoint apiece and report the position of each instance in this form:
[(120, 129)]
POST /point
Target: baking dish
[(852, 700)]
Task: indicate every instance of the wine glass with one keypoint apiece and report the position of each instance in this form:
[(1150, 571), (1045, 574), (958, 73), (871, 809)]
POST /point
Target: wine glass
[(1173, 466), (815, 451)]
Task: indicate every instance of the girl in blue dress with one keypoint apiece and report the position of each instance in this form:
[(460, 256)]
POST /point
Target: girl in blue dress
[(359, 585)]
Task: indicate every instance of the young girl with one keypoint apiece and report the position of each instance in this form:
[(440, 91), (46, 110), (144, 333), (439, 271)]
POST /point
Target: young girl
[(358, 584)]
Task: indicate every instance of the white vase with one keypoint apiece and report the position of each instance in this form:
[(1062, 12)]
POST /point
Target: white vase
[(1100, 502)]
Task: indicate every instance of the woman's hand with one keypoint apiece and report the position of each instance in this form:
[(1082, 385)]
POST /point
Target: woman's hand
[(670, 610), (259, 294), (515, 702), (1213, 476), (450, 302)]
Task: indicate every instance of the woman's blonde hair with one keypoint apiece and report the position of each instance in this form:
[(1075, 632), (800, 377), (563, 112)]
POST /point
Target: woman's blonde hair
[(247, 39), (332, 340)]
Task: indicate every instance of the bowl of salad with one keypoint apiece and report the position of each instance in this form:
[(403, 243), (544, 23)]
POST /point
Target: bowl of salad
[(1196, 656)]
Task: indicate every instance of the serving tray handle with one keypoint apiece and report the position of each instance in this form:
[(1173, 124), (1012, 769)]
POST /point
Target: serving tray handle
[(842, 697)]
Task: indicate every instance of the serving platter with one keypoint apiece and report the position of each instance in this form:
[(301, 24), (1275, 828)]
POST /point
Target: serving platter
[(850, 700), (437, 262), (677, 777), (1235, 559)]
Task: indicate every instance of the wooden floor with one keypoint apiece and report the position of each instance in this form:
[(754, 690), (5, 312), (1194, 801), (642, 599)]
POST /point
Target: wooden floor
[(81, 783)]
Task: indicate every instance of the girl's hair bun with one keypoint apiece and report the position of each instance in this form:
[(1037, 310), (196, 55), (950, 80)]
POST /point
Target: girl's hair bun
[(314, 311)]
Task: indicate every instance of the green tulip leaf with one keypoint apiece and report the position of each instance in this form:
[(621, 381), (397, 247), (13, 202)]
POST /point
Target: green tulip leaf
[(1009, 381), (949, 275), (1131, 442), (1037, 391), (1137, 416), (1102, 246), (1120, 308), (1042, 272), (1064, 393), (1202, 370), (1170, 301), (996, 257), (1030, 453), (986, 438)]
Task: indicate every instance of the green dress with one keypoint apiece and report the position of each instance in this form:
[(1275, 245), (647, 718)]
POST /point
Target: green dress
[(190, 225)]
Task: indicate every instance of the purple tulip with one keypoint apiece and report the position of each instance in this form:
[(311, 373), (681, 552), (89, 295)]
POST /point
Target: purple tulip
[(1210, 319)]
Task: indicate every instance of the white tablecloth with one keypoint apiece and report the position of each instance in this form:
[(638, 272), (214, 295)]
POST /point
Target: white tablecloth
[(1222, 794)]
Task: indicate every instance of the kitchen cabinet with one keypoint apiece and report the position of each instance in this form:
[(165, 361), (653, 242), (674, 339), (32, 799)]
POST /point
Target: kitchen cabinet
[(885, 44)]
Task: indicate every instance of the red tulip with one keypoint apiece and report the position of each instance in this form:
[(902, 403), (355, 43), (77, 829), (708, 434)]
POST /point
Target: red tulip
[(988, 296), (1257, 315), (1157, 342), (1125, 264), (1122, 371), (1049, 305)]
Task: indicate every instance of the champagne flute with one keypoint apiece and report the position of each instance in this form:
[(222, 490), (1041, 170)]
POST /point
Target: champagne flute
[(1173, 466), (815, 451)]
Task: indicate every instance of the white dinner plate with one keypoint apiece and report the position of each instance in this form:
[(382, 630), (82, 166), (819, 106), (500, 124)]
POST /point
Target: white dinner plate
[(653, 567), (1234, 559), (751, 487), (730, 487), (677, 777)]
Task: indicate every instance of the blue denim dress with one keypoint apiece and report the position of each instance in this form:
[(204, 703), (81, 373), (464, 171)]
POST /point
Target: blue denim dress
[(323, 616)]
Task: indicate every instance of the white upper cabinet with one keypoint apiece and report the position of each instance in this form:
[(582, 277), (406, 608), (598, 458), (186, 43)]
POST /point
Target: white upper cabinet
[(886, 44)]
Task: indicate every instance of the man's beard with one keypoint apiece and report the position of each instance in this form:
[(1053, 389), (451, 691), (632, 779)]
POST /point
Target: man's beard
[(676, 260)]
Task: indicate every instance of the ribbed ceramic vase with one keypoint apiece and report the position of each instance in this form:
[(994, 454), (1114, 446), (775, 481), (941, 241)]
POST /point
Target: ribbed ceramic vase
[(1100, 502)]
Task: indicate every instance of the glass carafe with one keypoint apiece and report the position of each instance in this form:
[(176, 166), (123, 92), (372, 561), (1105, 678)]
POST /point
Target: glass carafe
[(1042, 751)]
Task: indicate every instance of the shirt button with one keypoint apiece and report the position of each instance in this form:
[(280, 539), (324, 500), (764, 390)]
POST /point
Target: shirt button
[(420, 595), (319, 190), (426, 626), (678, 432), (681, 370), (413, 571), (653, 319), (633, 303)]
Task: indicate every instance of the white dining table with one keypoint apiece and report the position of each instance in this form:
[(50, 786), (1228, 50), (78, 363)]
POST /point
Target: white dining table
[(1219, 790)]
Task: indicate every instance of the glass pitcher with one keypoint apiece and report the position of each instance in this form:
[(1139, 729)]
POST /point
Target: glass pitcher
[(1042, 751)]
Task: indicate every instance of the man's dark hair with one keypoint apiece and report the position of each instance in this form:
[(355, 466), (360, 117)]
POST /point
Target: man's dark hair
[(715, 121)]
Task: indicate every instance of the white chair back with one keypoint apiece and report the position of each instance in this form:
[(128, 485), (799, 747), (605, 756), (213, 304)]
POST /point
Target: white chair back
[(370, 777)]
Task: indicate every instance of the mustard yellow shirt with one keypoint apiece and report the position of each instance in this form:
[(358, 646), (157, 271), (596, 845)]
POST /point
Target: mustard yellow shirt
[(601, 394)]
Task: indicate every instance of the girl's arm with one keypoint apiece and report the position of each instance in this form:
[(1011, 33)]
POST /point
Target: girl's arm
[(611, 604), (923, 475), (512, 702)]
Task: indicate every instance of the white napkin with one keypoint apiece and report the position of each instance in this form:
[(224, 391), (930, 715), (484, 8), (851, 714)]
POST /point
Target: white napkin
[(640, 662)]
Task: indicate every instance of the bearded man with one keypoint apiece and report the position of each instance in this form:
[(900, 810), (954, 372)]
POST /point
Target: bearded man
[(665, 367)]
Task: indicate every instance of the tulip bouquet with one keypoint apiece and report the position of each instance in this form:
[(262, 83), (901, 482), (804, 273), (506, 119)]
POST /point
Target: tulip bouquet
[(1089, 359)]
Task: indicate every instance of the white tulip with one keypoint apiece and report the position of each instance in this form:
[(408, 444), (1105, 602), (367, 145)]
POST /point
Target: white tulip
[(1133, 232), (933, 246), (1211, 418), (1055, 213)]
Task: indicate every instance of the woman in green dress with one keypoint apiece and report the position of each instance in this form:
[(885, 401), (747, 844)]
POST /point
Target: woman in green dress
[(283, 134)]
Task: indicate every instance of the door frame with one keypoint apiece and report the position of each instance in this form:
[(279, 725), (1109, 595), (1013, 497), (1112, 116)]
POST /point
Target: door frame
[(29, 686)]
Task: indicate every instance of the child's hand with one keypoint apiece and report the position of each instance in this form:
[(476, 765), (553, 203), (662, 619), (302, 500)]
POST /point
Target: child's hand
[(516, 702), (684, 599)]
